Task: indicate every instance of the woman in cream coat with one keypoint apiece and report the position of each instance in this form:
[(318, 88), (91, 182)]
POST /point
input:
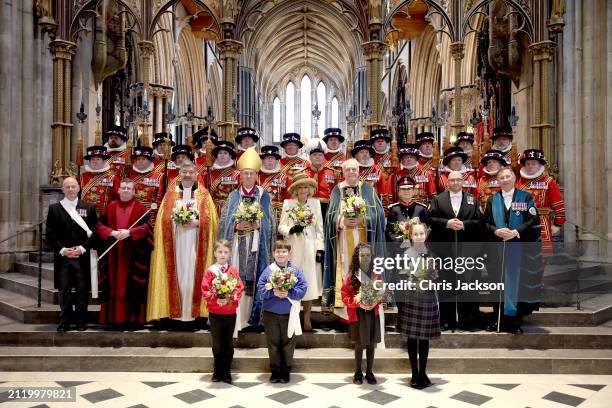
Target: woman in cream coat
[(306, 242)]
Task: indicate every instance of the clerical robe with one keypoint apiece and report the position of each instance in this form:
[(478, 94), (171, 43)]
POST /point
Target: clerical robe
[(181, 256), (521, 266), (340, 243), (251, 250), (123, 281)]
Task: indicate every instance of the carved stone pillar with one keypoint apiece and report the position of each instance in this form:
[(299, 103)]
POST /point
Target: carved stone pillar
[(542, 126), (457, 51), (229, 51), (62, 52), (147, 48), (373, 52)]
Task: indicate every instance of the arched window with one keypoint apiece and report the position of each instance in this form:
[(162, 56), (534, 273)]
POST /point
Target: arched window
[(322, 105), (306, 107), (276, 120), (289, 108), (335, 113)]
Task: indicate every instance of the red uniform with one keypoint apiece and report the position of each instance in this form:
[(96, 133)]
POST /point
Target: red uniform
[(291, 166), (334, 161), (200, 163), (387, 180), (369, 173), (221, 182), (149, 187), (550, 204), (275, 184), (99, 188), (425, 188), (117, 161), (469, 182), (326, 181), (487, 186)]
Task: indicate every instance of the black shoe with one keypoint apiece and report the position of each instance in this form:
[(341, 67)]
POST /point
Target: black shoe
[(370, 378), (227, 378), (81, 327), (414, 381), (424, 381), (284, 377), (275, 378), (63, 327), (358, 378), (216, 377)]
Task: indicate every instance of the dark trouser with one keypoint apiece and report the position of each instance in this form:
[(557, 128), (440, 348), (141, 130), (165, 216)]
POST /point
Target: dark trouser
[(71, 276), (280, 347), (222, 331), (369, 357)]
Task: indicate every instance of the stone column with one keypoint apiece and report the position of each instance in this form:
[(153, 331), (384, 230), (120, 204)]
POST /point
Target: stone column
[(542, 97), (229, 51), (457, 51), (62, 52), (373, 52), (147, 48)]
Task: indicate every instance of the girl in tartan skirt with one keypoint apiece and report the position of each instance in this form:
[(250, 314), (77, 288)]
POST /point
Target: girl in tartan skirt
[(418, 313)]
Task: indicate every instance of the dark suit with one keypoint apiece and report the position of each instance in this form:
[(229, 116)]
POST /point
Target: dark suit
[(449, 243), (399, 212), (63, 232)]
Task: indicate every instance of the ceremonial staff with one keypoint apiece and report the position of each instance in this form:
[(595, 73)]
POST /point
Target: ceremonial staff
[(153, 207), (81, 117)]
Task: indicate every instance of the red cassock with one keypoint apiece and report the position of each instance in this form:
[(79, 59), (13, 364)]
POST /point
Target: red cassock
[(99, 189), (125, 271), (487, 186), (550, 204), (149, 187), (291, 166), (117, 163), (425, 188), (326, 181), (469, 182), (220, 183), (276, 185)]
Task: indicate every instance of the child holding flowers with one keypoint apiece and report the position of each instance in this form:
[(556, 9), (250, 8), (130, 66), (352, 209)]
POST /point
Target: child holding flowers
[(281, 286), (418, 311), (222, 289), (362, 294), (301, 223)]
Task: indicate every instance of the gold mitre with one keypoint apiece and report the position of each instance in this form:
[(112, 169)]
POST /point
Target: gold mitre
[(249, 160)]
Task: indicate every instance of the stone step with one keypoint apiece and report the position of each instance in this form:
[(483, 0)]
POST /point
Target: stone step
[(27, 285), (31, 269), (537, 338), (317, 360), (46, 256), (24, 309)]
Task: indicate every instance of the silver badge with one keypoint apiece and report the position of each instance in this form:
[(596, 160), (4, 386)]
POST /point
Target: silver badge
[(532, 211)]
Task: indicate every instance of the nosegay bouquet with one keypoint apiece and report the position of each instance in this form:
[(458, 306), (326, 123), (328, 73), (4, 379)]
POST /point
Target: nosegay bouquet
[(301, 215), (183, 213), (368, 294), (354, 206), (224, 286), (248, 211), (282, 279)]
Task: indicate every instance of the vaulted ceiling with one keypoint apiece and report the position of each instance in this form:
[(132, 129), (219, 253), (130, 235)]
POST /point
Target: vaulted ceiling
[(287, 37)]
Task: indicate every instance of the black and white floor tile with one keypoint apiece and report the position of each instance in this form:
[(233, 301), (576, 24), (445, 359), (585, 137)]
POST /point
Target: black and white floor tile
[(149, 390)]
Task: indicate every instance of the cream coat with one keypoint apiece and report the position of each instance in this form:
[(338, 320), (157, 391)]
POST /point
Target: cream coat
[(304, 246)]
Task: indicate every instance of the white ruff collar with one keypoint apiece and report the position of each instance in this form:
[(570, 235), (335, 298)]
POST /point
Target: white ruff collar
[(427, 156), (490, 173), (102, 170), (146, 170), (387, 150), (293, 156), (216, 166), (276, 169), (115, 149), (447, 170), (504, 150), (409, 167), (370, 163), (334, 151), (532, 176)]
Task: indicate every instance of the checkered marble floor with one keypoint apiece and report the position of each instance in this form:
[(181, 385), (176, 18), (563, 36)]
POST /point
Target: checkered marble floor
[(141, 390)]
